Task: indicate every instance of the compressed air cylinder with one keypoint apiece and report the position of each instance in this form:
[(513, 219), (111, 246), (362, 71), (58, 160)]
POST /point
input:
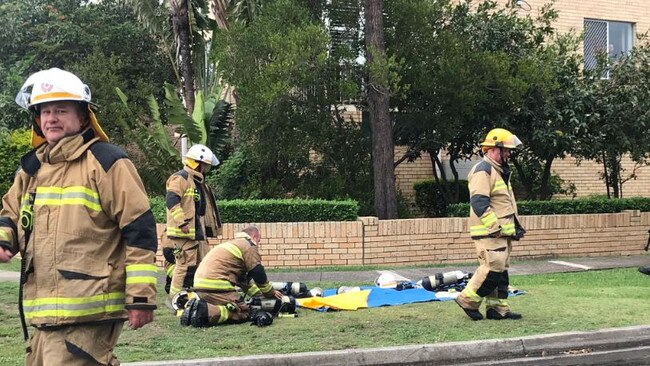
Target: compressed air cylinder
[(432, 283), (290, 288)]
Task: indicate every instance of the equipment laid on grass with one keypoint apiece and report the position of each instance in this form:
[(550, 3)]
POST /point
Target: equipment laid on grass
[(442, 281)]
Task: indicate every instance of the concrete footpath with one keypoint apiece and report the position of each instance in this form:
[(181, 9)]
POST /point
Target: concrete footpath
[(550, 349)]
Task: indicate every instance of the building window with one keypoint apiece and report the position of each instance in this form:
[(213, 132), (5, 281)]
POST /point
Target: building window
[(601, 36)]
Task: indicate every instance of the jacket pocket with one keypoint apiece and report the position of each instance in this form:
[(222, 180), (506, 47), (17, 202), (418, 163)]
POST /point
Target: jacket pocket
[(83, 277)]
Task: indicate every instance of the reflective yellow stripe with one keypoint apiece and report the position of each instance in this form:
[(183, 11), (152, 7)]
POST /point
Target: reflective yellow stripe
[(170, 270), (177, 213), (253, 290), (176, 232), (189, 192), (58, 196), (55, 95), (71, 307), (267, 287), (499, 185), (208, 284), (223, 314), (491, 302), (141, 273), (232, 248), (489, 219), (471, 295), (4, 235), (173, 290), (508, 229), (478, 230)]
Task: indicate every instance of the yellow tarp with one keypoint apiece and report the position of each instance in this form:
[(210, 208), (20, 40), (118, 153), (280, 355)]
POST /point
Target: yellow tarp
[(346, 301)]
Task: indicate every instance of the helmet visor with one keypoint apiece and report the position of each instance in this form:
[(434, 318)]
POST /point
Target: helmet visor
[(512, 142)]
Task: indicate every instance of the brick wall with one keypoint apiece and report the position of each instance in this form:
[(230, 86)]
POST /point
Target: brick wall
[(370, 241)]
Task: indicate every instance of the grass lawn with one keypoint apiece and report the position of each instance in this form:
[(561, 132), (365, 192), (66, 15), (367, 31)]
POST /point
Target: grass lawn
[(553, 303)]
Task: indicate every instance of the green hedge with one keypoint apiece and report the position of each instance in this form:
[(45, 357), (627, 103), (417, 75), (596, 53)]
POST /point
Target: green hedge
[(281, 210), (429, 196), (576, 206)]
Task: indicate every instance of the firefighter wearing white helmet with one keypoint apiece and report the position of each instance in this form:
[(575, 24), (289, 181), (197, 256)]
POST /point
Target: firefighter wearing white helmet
[(79, 216), (192, 217), (494, 225)]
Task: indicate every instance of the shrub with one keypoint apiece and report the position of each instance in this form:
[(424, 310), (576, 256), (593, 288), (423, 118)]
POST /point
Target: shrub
[(430, 196), (283, 210), (13, 145), (576, 206)]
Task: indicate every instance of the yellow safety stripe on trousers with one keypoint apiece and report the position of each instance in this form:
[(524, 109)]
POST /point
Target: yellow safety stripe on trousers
[(267, 287), (208, 284), (72, 307), (491, 302), (471, 295), (178, 214), (508, 229), (232, 248), (170, 270), (178, 233), (58, 196), (173, 291), (499, 185), (223, 314), (141, 273), (489, 219)]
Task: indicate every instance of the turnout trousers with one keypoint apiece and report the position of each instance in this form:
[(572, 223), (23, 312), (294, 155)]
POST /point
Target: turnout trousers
[(225, 307), (490, 280), (74, 345), (190, 253)]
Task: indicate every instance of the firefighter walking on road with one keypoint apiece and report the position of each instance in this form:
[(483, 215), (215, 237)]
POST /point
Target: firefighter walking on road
[(79, 216), (192, 217), (493, 226)]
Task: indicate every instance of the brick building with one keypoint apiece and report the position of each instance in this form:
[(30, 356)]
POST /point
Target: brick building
[(606, 23)]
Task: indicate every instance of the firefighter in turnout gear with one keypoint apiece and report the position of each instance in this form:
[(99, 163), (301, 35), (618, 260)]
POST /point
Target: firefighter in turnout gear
[(233, 263), (493, 226), (192, 217), (79, 216)]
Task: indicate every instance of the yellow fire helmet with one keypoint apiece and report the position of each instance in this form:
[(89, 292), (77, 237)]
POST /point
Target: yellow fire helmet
[(50, 86), (500, 137), (200, 153)]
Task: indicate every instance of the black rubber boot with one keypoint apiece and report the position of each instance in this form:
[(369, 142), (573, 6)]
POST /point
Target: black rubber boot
[(473, 314), (645, 270), (186, 316), (494, 315)]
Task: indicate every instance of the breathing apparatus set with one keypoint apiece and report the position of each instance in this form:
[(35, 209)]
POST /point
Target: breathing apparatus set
[(441, 281)]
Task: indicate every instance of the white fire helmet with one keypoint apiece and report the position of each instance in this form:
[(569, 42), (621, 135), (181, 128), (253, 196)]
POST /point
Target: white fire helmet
[(386, 280), (200, 153), (55, 85)]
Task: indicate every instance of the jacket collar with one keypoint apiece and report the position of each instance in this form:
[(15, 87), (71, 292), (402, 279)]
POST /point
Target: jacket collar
[(68, 148), (196, 175), (494, 164), (243, 235)]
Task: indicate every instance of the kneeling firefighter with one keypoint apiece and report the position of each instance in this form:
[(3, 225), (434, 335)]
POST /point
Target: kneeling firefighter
[(227, 266), (494, 225)]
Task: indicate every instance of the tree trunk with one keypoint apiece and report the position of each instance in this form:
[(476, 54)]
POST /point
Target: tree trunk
[(181, 27), (382, 131)]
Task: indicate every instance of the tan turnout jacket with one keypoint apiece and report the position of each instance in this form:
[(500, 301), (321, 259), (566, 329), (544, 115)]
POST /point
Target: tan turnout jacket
[(183, 199), (79, 215), (228, 265), (493, 209)]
